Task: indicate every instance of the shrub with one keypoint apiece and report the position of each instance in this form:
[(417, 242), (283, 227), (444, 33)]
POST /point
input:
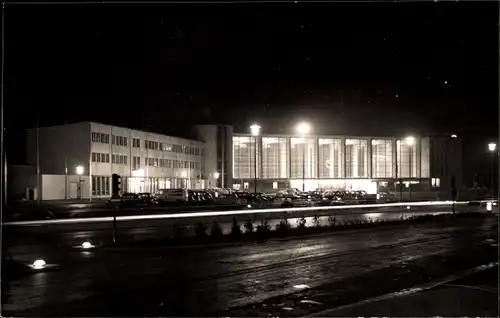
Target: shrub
[(248, 226), (332, 221), (301, 223), (216, 230), (264, 227), (235, 228), (316, 221), (283, 226), (201, 230)]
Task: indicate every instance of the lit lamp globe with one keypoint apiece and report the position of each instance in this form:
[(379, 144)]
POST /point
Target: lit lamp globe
[(255, 129), (303, 128), (492, 146), (79, 170), (410, 140)]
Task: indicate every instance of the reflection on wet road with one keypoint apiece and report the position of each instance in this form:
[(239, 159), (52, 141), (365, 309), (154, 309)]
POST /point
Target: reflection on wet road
[(197, 281)]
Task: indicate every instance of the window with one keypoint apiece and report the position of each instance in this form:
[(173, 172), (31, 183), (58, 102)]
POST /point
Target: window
[(303, 157), (100, 185), (330, 158), (356, 158), (136, 163), (435, 182), (382, 159), (100, 137), (136, 142), (153, 145), (119, 140), (274, 157), (119, 159), (275, 185), (165, 147), (406, 159), (100, 157), (244, 157)]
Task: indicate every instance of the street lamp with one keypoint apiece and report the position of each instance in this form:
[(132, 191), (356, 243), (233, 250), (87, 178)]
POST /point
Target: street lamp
[(410, 141), (303, 129), (492, 147), (255, 129), (216, 176), (79, 172)]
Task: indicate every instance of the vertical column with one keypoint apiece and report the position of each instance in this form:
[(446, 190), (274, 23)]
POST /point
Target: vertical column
[(289, 153), (418, 158), (342, 158), (369, 159), (395, 167)]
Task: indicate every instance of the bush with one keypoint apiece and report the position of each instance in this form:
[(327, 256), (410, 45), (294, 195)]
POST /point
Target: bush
[(283, 226), (216, 231), (248, 226), (201, 230), (301, 223), (235, 228), (264, 227), (316, 221), (332, 221)]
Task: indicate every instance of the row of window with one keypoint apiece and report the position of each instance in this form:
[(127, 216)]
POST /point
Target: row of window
[(148, 144), (152, 162), (104, 158), (324, 158), (169, 163)]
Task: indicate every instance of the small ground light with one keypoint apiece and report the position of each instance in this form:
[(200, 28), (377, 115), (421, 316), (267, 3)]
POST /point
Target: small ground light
[(408, 207), (39, 264), (87, 245), (249, 206)]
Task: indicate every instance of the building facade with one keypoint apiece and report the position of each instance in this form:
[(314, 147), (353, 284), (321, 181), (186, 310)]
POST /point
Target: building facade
[(77, 160), (343, 162)]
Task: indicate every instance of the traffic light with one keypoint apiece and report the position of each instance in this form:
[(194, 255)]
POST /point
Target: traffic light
[(115, 185)]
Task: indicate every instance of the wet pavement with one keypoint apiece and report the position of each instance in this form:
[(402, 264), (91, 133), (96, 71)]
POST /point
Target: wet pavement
[(215, 280)]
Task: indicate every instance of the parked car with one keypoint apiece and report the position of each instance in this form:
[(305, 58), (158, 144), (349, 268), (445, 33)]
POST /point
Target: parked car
[(385, 197)]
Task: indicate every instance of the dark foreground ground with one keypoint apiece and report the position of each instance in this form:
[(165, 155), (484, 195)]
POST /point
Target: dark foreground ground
[(278, 277)]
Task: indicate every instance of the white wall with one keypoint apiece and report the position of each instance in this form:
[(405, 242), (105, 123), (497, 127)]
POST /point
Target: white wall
[(53, 187)]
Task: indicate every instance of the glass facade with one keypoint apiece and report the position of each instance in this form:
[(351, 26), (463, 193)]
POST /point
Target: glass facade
[(244, 157), (330, 158), (303, 155), (407, 159), (356, 158), (382, 158), (281, 157), (274, 157)]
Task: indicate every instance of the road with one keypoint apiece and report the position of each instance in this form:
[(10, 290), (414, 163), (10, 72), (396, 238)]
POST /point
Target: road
[(248, 280), (26, 239)]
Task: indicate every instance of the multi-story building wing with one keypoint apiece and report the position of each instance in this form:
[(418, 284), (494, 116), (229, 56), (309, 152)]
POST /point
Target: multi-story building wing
[(146, 161)]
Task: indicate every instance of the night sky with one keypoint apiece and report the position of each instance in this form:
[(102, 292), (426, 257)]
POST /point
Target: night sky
[(348, 68)]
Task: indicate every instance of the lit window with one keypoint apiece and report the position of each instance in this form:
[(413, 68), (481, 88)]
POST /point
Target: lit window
[(275, 185), (435, 182)]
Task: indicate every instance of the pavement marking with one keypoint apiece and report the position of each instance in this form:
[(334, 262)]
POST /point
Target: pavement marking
[(409, 291), (228, 213)]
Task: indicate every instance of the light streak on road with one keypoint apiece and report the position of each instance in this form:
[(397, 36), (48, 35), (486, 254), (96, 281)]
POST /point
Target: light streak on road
[(228, 213)]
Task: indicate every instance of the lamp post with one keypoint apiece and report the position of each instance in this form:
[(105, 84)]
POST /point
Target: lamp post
[(216, 176), (303, 129), (492, 147), (79, 172), (410, 141), (255, 129)]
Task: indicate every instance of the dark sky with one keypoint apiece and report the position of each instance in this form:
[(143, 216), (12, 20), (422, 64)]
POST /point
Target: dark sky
[(353, 68)]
